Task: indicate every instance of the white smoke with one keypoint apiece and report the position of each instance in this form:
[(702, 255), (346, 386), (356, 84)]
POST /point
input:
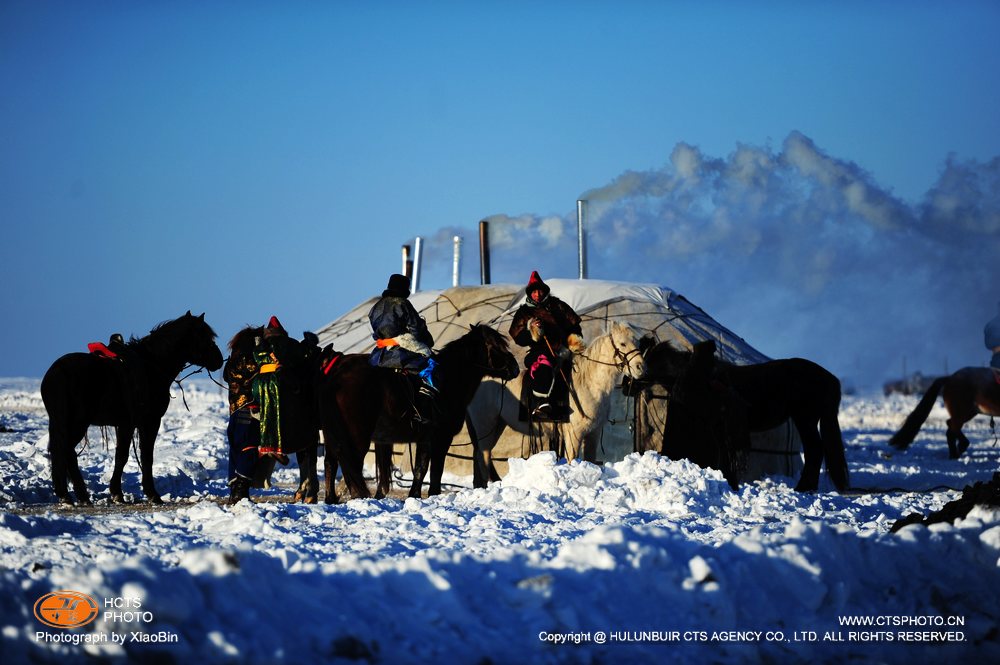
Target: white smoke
[(801, 253)]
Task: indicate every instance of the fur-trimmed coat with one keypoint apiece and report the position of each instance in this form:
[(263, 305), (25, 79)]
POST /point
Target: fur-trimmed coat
[(395, 318), (557, 321)]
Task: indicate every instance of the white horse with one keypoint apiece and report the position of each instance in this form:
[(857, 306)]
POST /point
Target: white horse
[(596, 370)]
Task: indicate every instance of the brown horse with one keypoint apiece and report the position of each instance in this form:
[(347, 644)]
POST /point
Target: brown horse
[(360, 403), (967, 393)]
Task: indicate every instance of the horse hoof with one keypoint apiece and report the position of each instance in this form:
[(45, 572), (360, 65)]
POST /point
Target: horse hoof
[(117, 498), (65, 500), (330, 500), (155, 499), (299, 498), (311, 500)]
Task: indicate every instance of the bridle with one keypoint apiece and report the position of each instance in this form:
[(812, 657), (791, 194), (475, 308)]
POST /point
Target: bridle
[(623, 358)]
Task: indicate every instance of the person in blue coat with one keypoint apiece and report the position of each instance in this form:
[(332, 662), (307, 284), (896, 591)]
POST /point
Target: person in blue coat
[(402, 341)]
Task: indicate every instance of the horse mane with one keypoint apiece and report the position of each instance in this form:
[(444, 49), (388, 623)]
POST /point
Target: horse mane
[(164, 335), (169, 326), (483, 334)]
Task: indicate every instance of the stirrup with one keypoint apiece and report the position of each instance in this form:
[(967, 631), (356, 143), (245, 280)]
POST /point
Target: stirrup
[(544, 410)]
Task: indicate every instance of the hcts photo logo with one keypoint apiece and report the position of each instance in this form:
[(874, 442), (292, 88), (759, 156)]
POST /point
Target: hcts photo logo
[(66, 609)]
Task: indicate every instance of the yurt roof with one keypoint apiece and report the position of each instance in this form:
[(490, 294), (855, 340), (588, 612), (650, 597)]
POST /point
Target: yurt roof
[(652, 309)]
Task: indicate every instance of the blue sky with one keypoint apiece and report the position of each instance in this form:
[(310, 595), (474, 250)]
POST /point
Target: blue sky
[(254, 158)]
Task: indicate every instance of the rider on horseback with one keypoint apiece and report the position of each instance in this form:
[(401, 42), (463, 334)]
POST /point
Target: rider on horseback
[(402, 341), (551, 331)]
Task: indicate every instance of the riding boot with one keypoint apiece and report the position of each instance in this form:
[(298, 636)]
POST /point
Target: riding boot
[(425, 405)]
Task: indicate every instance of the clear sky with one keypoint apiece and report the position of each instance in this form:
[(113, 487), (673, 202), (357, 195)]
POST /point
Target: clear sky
[(254, 158)]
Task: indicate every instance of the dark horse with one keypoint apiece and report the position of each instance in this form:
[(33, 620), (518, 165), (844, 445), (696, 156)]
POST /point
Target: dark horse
[(707, 420), (360, 403), (83, 389), (775, 392), (967, 393)]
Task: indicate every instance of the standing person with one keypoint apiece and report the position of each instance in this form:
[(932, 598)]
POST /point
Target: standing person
[(402, 341), (551, 331), (243, 432), (991, 337), (275, 349)]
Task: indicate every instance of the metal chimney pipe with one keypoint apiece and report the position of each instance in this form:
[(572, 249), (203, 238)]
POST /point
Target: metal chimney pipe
[(581, 242), (418, 250), (407, 262), (456, 262), (484, 252)]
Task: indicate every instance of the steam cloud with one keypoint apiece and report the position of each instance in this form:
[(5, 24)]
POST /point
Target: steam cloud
[(801, 253)]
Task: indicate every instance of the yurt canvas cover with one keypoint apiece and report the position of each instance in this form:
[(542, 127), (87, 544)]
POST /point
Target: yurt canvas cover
[(652, 309)]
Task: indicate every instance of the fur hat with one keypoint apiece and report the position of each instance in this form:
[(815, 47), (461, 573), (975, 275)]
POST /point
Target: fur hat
[(399, 286), (535, 283)]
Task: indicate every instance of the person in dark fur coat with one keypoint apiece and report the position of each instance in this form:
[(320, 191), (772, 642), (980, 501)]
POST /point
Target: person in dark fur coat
[(551, 331)]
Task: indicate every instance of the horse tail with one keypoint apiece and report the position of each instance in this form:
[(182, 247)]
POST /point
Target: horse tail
[(904, 437), (56, 398)]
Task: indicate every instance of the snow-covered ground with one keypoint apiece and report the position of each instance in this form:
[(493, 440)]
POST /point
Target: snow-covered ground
[(636, 561)]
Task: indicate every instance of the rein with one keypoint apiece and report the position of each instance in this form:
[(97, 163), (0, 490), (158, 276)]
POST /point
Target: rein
[(190, 374), (624, 356)]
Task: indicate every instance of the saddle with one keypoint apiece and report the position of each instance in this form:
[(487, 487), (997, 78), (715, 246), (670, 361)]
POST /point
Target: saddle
[(329, 359), (101, 349), (130, 371)]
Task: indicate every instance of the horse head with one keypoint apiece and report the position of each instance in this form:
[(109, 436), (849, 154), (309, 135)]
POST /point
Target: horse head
[(197, 342), (625, 340), (665, 363), (497, 358)]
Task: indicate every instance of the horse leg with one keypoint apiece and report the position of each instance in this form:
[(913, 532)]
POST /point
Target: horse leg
[(420, 464), (59, 449), (439, 452), (833, 450), (147, 436), (571, 442), (812, 446), (123, 441), (308, 488), (330, 475), (383, 469), (958, 443), (79, 485), (57, 460), (482, 451)]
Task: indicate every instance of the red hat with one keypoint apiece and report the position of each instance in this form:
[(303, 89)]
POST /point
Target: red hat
[(275, 325), (535, 283)]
